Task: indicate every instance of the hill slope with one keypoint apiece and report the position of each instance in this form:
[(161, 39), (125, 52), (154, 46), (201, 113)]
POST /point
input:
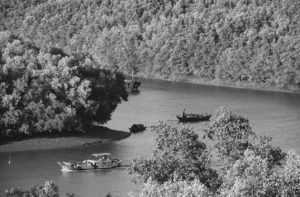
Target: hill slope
[(225, 41)]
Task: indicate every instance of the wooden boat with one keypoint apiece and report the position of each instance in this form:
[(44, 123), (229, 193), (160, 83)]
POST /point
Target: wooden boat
[(137, 128), (193, 117), (132, 86), (96, 161)]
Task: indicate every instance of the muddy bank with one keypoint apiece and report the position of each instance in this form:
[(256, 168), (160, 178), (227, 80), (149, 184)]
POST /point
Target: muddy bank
[(95, 134)]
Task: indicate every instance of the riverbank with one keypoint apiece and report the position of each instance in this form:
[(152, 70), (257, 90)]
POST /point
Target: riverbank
[(240, 85), (96, 134)]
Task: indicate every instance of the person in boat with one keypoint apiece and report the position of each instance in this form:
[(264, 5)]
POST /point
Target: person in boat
[(183, 113), (95, 166)]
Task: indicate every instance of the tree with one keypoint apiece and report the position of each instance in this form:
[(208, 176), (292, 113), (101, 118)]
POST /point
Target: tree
[(286, 181), (232, 136), (178, 155), (251, 176), (247, 177), (231, 133)]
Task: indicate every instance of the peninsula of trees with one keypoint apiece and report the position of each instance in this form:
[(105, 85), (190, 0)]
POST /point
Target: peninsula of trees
[(237, 42), (49, 91)]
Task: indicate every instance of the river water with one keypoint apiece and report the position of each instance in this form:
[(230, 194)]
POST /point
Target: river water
[(270, 113)]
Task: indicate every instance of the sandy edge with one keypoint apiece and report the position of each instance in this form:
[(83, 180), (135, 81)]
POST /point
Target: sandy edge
[(63, 142)]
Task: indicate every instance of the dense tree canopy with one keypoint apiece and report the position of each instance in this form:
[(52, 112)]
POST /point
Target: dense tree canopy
[(178, 155), (222, 41), (50, 91), (232, 135), (171, 189), (12, 12)]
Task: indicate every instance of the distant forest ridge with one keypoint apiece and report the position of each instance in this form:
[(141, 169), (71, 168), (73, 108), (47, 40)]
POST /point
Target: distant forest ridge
[(255, 42)]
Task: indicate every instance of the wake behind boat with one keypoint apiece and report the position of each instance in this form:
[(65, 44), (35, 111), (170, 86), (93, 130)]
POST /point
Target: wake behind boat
[(96, 161), (193, 117)]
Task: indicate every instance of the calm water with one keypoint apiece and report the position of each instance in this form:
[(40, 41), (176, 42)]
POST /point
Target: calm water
[(270, 113)]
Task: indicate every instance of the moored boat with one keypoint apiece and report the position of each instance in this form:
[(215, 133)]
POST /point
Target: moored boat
[(137, 128), (193, 117), (96, 161), (132, 86)]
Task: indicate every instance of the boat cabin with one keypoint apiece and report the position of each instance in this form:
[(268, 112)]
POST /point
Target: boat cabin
[(101, 156), (132, 86)]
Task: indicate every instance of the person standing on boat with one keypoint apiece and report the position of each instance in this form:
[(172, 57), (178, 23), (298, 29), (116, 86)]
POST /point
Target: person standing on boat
[(183, 113), (95, 165)]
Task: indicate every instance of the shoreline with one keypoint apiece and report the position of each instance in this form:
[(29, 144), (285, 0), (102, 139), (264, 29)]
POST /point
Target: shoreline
[(96, 135), (101, 134), (199, 81)]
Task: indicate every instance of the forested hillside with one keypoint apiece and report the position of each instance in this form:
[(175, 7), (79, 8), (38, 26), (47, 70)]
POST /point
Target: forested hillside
[(252, 42), (12, 12)]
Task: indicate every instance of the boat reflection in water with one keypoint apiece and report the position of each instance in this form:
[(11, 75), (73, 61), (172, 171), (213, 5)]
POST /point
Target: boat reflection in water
[(97, 161)]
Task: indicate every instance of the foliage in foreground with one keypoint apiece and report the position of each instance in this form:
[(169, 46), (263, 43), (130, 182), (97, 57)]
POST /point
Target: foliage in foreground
[(48, 190), (177, 188), (248, 177), (251, 176), (49, 91), (232, 135), (178, 155), (251, 165)]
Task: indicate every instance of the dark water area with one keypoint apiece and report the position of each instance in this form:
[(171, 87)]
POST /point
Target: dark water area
[(270, 113)]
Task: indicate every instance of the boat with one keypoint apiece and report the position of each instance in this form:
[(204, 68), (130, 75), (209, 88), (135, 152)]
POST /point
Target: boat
[(96, 161), (132, 85), (193, 117), (137, 128)]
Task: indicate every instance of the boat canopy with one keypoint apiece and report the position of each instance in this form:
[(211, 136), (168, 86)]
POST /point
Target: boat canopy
[(100, 154)]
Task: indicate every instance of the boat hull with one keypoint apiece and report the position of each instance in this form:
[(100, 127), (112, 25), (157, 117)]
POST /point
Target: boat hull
[(194, 119), (137, 128), (132, 86), (68, 166)]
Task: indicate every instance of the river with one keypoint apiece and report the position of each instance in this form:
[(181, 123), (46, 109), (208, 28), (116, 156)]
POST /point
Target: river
[(271, 113)]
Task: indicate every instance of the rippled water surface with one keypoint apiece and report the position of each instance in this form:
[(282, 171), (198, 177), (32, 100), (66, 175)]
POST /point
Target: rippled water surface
[(271, 113)]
